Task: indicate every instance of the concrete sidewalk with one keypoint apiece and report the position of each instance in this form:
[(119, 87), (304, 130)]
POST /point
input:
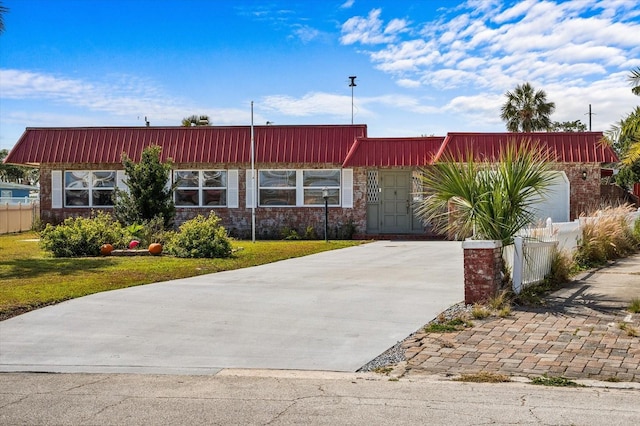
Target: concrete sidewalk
[(331, 311), (583, 331)]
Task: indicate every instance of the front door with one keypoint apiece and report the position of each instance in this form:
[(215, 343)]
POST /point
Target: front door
[(395, 202)]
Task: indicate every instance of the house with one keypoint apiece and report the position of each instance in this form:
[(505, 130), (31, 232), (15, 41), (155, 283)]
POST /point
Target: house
[(372, 183), (579, 158), (16, 192)]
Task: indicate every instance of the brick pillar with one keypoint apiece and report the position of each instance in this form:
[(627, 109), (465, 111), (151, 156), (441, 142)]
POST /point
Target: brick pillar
[(482, 270)]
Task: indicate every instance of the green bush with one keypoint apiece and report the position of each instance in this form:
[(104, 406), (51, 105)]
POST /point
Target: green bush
[(200, 237), (148, 232), (81, 236)]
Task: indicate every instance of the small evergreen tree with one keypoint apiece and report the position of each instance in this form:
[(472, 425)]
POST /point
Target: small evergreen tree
[(149, 196)]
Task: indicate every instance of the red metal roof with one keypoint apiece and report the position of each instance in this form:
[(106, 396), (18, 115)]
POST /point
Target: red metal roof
[(397, 152), (206, 144), (329, 144), (568, 147)]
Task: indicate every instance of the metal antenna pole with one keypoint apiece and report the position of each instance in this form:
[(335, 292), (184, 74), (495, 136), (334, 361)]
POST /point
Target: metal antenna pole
[(253, 181), (590, 114), (352, 84)]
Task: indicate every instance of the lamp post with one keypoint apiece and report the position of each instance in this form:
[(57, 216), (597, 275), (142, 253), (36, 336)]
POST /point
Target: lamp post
[(325, 195)]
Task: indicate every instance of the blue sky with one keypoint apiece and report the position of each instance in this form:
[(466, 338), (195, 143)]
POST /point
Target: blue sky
[(422, 67)]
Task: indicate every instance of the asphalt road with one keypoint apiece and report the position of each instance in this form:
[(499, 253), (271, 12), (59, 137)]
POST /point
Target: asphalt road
[(285, 398)]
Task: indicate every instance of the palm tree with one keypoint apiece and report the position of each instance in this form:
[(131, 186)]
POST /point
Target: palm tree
[(195, 120), (625, 139), (527, 110), (3, 10), (482, 199), (634, 78)]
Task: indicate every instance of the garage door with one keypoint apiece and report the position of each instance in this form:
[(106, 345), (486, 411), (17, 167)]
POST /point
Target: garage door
[(555, 202)]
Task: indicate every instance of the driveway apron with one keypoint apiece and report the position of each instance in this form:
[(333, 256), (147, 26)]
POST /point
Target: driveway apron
[(333, 311)]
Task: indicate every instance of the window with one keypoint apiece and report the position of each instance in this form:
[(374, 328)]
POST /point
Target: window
[(314, 181), (200, 188), (89, 188), (277, 187), (298, 187)]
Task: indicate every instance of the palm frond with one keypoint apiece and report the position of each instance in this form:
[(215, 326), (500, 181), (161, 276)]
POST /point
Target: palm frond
[(634, 78)]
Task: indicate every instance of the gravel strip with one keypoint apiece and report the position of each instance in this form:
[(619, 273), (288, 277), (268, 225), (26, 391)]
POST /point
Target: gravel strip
[(395, 354)]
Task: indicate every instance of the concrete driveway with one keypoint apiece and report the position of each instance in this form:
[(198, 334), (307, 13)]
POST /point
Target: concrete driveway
[(331, 311)]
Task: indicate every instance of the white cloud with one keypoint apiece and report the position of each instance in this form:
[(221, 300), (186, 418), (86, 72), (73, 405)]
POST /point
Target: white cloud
[(122, 95), (113, 101), (314, 103), (516, 11), (396, 26), (478, 109), (319, 103), (476, 47), (306, 33), (402, 102), (409, 83), (347, 4), (369, 30)]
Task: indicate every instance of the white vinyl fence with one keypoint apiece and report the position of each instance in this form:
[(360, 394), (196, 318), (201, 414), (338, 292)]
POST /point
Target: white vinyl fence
[(530, 257), (18, 217)]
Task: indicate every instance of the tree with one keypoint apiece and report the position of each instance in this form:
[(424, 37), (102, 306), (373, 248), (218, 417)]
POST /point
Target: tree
[(568, 126), (18, 174), (149, 196), (527, 110), (3, 10), (634, 78), (624, 136), (486, 200), (195, 120)]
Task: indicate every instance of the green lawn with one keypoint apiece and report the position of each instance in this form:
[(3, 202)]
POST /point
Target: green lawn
[(30, 278)]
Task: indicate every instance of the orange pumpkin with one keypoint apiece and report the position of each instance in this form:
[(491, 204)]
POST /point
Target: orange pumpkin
[(155, 249), (106, 249)]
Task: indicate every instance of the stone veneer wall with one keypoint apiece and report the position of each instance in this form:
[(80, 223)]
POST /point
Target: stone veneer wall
[(482, 270), (269, 220), (585, 196), (585, 193)]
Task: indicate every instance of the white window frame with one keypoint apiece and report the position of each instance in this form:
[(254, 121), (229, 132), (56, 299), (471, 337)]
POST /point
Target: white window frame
[(200, 188), (335, 191), (293, 189), (300, 188), (90, 188)]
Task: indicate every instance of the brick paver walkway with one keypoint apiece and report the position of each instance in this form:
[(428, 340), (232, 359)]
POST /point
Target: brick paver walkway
[(585, 345), (581, 333)]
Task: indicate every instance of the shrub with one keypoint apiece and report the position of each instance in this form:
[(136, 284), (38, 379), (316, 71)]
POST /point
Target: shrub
[(290, 234), (606, 235), (561, 268), (81, 236), (150, 231), (346, 231), (636, 231), (480, 312), (200, 237)]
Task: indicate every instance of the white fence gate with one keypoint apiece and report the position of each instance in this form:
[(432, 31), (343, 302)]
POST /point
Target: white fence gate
[(530, 257), (531, 261)]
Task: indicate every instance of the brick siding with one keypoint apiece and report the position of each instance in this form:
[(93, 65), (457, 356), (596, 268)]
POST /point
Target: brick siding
[(269, 220), (482, 270)]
